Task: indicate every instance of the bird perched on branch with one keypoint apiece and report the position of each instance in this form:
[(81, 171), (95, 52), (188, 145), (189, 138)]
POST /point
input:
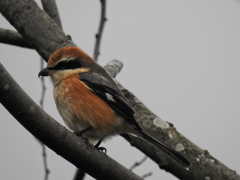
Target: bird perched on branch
[(90, 102)]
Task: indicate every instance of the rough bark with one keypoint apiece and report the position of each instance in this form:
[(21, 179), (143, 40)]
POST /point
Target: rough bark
[(50, 7), (42, 33), (36, 27), (13, 38), (204, 166), (56, 136)]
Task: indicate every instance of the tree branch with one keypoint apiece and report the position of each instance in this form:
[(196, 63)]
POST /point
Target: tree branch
[(44, 154), (36, 27), (56, 136), (79, 175), (113, 67), (42, 33), (13, 38), (136, 164), (203, 164), (50, 7), (100, 30)]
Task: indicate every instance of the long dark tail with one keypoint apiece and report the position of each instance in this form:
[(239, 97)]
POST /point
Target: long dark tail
[(164, 148)]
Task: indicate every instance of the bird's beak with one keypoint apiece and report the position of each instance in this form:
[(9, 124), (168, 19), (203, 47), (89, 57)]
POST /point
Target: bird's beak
[(44, 72)]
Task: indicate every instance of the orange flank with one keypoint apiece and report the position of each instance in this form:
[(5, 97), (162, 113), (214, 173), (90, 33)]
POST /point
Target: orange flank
[(89, 109)]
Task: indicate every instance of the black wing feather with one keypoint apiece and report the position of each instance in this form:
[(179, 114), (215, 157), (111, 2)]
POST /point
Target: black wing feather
[(119, 102)]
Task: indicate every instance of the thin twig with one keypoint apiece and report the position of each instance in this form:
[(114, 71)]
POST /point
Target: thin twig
[(50, 7), (100, 30), (79, 175), (13, 38), (138, 163), (44, 154), (147, 175), (43, 84)]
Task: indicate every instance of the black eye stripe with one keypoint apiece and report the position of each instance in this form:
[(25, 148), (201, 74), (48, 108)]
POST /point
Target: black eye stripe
[(63, 64), (72, 64)]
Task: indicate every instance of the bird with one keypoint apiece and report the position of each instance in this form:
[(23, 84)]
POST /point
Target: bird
[(90, 102)]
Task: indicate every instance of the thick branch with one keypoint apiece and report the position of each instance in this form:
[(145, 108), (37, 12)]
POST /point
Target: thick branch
[(50, 7), (203, 164), (56, 136), (37, 28), (100, 29), (113, 67), (13, 38)]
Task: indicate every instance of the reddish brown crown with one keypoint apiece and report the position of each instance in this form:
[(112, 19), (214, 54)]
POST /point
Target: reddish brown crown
[(65, 52)]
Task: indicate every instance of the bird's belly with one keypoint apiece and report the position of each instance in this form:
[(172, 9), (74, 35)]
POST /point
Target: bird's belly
[(81, 109)]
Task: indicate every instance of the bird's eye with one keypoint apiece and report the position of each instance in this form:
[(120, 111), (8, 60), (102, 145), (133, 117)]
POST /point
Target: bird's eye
[(63, 65)]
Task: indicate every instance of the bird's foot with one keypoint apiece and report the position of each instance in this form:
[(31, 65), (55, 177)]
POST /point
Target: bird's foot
[(102, 149)]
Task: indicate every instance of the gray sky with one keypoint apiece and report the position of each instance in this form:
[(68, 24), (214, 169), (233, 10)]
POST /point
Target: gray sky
[(181, 58)]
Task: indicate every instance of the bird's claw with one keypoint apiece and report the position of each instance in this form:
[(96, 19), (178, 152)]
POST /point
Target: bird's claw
[(102, 149)]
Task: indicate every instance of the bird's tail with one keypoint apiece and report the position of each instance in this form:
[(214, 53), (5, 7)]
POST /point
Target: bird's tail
[(164, 148)]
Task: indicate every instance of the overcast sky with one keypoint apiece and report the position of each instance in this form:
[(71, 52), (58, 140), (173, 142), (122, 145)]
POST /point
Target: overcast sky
[(181, 58)]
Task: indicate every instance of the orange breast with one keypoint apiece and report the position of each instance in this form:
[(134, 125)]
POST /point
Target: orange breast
[(80, 107)]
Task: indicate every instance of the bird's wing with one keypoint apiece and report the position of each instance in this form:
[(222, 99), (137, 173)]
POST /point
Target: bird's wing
[(108, 91)]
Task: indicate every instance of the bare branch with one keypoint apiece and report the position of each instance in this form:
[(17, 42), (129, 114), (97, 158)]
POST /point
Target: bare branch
[(138, 163), (36, 27), (39, 30), (79, 175), (43, 85), (13, 38), (44, 154), (56, 136), (50, 7), (147, 175), (113, 67), (203, 164), (100, 30)]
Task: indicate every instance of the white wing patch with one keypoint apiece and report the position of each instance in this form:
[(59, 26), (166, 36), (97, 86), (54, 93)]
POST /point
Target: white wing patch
[(110, 97)]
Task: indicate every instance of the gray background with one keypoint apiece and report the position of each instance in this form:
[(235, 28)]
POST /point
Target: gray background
[(181, 58)]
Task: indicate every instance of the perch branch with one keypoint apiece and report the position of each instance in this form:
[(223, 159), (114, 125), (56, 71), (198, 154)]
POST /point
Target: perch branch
[(50, 7), (56, 136), (35, 26), (100, 30), (45, 36), (203, 164), (13, 38)]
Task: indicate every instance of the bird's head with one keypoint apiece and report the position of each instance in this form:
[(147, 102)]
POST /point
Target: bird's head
[(65, 62)]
